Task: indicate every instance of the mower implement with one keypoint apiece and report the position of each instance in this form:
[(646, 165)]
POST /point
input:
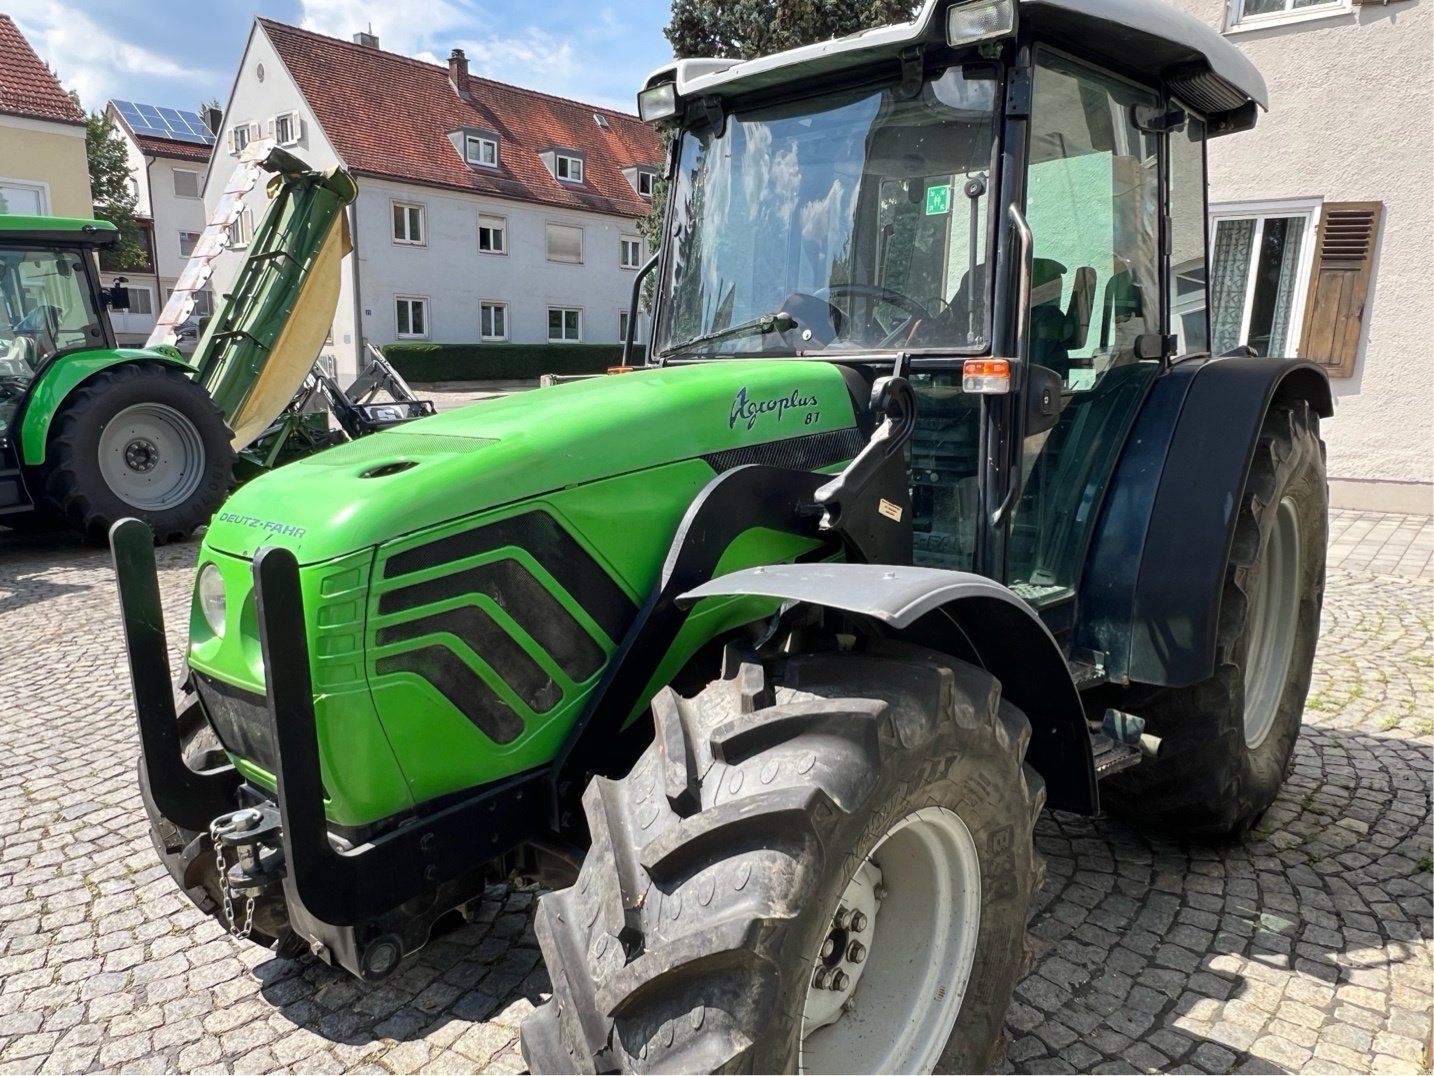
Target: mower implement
[(765, 658)]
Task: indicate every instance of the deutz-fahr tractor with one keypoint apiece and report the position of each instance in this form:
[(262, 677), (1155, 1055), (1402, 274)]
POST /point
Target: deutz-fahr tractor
[(931, 512), (91, 432)]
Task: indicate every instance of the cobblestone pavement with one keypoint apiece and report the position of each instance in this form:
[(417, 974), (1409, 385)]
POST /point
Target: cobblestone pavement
[(1306, 949)]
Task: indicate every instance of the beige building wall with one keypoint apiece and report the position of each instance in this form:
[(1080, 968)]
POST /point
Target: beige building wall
[(38, 151), (1351, 98)]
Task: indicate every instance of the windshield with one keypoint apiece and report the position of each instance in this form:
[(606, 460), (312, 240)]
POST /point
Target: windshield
[(45, 307), (861, 215)]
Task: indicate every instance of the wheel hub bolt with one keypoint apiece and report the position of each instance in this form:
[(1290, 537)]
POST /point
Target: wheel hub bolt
[(822, 979), (840, 980), (856, 952), (841, 919), (858, 921), (828, 948)]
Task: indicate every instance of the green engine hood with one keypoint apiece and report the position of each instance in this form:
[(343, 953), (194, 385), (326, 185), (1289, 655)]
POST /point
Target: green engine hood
[(502, 450)]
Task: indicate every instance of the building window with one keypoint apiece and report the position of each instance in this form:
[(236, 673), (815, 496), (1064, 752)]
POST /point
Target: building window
[(24, 199), (186, 183), (645, 183), (239, 136), (188, 240), (408, 224), (631, 252), (480, 151), (1259, 276), (411, 316), (203, 302), (622, 323), (140, 300), (492, 234), (494, 321), (1249, 14), (569, 168), (288, 128), (565, 325), (242, 229), (565, 244)]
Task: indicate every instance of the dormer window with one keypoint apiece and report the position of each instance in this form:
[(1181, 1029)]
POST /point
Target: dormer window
[(568, 169), (645, 181), (480, 151)]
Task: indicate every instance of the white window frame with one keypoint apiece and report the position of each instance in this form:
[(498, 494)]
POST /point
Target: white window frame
[(205, 294), (427, 323), (296, 128), (582, 242), (650, 178), (575, 167), (482, 141), (408, 241), (133, 290), (502, 230), (622, 316), (623, 243), (1237, 21), (39, 186), (241, 231), (251, 132), (1310, 209), (195, 243), (175, 173), (564, 338), (496, 305)]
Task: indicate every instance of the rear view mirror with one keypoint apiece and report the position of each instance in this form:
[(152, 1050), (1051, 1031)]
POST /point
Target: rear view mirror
[(117, 297), (1043, 399), (1082, 305)]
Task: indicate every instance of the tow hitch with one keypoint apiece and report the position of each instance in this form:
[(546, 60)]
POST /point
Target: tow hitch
[(252, 838)]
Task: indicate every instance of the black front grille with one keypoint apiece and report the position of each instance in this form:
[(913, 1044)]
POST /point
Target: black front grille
[(240, 719)]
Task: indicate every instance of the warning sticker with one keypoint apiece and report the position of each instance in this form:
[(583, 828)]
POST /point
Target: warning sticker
[(889, 510), (938, 200)]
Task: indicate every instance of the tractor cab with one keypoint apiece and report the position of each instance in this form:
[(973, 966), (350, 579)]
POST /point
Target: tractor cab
[(50, 300), (1002, 201)]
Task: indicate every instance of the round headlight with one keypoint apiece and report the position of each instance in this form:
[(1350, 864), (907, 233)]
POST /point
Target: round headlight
[(211, 598)]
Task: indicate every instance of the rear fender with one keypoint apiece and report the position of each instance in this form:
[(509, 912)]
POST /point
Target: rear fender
[(61, 377), (969, 617), (1150, 595)]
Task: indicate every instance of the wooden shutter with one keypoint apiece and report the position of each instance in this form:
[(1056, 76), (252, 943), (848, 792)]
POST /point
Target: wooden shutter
[(1344, 260)]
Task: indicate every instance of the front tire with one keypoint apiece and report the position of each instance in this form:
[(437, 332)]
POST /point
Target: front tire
[(718, 901), (1228, 742), (137, 440)]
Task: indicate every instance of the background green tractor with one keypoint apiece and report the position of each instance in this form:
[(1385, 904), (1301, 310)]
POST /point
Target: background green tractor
[(91, 432), (933, 510)]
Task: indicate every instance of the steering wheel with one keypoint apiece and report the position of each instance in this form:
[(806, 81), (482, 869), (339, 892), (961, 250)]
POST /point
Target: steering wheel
[(886, 295)]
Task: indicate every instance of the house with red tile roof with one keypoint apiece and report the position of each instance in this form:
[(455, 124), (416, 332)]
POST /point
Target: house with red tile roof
[(168, 152), (43, 169), (486, 212)]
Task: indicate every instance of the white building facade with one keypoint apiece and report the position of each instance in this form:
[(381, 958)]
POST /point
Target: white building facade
[(1323, 225), (169, 178), (469, 226)]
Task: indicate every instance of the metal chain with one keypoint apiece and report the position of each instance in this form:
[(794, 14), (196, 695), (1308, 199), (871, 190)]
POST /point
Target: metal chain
[(220, 867)]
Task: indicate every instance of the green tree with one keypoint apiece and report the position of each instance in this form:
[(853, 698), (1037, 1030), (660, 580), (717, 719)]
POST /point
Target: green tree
[(746, 29), (112, 190)]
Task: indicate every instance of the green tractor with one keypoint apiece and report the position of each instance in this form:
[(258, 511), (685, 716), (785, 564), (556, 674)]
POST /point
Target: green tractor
[(91, 432), (931, 511)]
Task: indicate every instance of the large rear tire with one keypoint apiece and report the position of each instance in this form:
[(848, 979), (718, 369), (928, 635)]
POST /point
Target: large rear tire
[(1229, 741), (714, 924), (137, 440)]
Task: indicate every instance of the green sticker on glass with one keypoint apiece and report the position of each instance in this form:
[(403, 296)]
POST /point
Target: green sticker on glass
[(938, 200)]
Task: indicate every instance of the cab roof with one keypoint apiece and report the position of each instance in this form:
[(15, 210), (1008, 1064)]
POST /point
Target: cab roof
[(57, 229), (1146, 38)]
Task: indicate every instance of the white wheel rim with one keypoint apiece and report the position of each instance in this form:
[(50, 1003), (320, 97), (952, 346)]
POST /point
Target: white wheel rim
[(920, 890), (1274, 620), (151, 457)]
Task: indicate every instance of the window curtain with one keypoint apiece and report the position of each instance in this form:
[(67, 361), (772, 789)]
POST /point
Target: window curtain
[(1230, 265)]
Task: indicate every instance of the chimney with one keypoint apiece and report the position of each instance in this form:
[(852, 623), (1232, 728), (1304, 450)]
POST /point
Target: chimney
[(458, 72), (214, 120), (368, 39)]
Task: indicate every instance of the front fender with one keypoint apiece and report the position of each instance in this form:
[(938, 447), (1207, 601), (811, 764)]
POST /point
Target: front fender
[(55, 382), (969, 617)]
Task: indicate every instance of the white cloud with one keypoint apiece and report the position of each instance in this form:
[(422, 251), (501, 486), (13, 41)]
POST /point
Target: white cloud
[(412, 28), (89, 59)]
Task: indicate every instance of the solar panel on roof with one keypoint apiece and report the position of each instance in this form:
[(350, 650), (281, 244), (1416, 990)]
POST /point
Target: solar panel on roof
[(175, 124)]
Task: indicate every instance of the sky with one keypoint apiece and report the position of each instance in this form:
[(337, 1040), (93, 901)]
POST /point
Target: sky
[(182, 52)]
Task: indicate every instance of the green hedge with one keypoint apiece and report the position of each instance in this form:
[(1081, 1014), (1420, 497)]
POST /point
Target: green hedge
[(501, 362)]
